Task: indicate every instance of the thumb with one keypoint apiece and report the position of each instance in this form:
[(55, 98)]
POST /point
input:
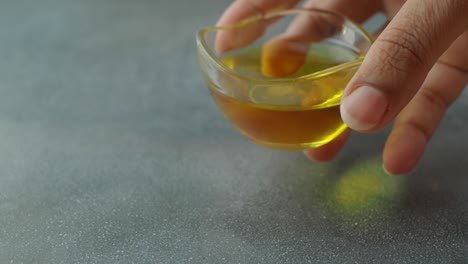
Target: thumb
[(399, 61)]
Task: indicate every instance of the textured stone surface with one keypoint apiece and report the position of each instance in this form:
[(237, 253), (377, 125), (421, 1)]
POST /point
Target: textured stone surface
[(112, 151)]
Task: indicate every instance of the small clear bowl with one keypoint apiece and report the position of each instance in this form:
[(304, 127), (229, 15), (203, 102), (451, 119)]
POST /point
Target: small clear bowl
[(278, 77)]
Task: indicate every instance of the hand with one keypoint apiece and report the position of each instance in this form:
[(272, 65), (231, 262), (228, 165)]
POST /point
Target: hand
[(413, 72)]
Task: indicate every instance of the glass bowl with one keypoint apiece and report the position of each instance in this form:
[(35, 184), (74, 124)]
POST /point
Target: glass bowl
[(278, 77)]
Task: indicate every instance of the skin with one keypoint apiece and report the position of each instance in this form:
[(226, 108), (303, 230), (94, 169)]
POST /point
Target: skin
[(414, 71)]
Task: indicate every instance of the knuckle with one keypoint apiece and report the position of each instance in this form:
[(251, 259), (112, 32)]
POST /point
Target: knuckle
[(257, 8), (402, 50), (436, 99), (425, 130), (436, 102)]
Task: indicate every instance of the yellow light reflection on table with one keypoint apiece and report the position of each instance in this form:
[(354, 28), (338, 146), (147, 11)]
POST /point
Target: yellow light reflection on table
[(365, 187)]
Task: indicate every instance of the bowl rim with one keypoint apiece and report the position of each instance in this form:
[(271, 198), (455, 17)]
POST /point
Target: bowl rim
[(203, 46)]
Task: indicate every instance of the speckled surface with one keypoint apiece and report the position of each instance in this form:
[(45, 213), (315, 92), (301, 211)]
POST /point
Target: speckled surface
[(112, 151)]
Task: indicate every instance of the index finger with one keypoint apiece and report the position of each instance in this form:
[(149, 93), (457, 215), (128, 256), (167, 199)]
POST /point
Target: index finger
[(240, 10)]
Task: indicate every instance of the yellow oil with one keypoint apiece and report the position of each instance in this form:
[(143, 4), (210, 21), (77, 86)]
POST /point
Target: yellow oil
[(290, 116)]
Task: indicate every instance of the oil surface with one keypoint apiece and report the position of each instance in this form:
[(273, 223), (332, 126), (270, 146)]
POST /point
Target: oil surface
[(287, 116)]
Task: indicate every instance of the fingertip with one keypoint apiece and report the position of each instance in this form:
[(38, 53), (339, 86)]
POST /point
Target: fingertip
[(404, 148), (388, 172), (328, 151), (364, 108), (318, 155), (282, 56)]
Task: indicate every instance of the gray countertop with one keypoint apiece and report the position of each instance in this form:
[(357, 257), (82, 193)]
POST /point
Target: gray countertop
[(112, 151)]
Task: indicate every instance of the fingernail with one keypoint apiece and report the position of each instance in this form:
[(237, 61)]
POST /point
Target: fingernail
[(363, 108), (387, 172)]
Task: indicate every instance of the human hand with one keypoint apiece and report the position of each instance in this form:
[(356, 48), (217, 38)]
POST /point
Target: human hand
[(413, 72)]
